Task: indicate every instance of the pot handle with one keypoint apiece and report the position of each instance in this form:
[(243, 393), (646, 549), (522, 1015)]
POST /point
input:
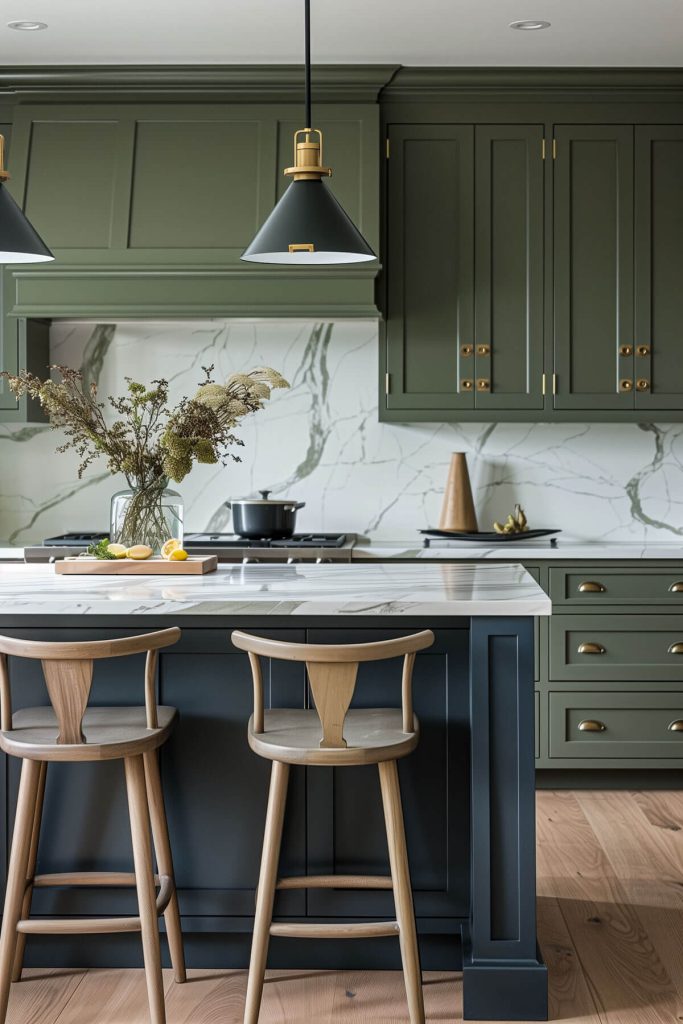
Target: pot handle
[(228, 504), (299, 504)]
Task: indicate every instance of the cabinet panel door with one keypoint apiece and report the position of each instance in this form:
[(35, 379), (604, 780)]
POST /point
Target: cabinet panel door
[(659, 266), (593, 255), (430, 267), (346, 832), (508, 242)]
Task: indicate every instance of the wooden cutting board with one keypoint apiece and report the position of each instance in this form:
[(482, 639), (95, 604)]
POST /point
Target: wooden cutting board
[(192, 566)]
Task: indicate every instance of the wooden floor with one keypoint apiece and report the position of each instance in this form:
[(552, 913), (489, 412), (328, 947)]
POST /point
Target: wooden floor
[(610, 885)]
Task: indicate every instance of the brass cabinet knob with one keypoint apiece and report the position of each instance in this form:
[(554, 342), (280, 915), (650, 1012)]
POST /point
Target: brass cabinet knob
[(626, 350), (483, 384), (466, 350), (591, 648), (626, 384), (676, 726), (592, 725), (483, 350), (676, 588), (591, 587), (643, 350), (642, 384), (466, 384), (676, 648)]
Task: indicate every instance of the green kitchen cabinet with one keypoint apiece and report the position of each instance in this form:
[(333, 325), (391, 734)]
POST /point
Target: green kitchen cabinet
[(157, 201), (593, 267), (430, 281), (464, 279), (658, 267)]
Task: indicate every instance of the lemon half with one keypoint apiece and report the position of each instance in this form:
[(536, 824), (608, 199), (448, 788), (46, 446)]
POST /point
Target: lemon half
[(117, 550), (171, 545), (178, 555), (139, 552)]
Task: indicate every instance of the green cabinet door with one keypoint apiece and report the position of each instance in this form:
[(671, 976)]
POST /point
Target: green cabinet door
[(593, 267), (658, 267), (508, 267), (429, 255)]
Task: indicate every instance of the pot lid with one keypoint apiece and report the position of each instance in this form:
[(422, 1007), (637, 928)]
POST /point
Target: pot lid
[(264, 500)]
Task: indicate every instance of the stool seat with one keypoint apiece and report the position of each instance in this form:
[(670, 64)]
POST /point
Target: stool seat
[(110, 733), (372, 735)]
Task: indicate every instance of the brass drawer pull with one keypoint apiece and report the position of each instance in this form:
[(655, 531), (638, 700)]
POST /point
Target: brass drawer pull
[(626, 384), (591, 725), (591, 587), (643, 384), (483, 350), (466, 350), (643, 350), (466, 384), (676, 588), (483, 384), (676, 648), (591, 648), (626, 350), (676, 726)]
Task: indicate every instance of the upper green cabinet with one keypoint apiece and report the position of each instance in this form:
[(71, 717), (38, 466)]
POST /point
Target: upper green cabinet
[(658, 344), (148, 208), (464, 277), (593, 279)]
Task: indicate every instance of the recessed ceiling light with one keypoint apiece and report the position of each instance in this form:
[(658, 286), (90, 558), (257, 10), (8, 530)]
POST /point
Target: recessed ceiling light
[(27, 26), (529, 26)]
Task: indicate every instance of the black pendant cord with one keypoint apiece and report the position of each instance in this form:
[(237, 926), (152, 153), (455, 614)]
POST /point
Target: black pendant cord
[(307, 30)]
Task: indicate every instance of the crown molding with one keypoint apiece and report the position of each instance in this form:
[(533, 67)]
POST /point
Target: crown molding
[(361, 83), (448, 83)]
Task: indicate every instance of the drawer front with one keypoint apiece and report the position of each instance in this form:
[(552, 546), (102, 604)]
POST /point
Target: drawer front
[(616, 647), (586, 586), (628, 725)]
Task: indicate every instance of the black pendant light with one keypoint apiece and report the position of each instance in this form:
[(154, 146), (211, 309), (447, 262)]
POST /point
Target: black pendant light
[(308, 226), (19, 241)]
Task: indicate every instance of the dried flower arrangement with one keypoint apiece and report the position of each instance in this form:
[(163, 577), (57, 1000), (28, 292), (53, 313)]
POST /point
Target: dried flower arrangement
[(148, 441)]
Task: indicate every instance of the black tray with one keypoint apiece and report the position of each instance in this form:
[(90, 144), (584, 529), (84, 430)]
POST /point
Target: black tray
[(483, 537)]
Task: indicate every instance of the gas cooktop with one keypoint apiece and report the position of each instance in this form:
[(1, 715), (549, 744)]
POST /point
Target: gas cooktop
[(214, 540)]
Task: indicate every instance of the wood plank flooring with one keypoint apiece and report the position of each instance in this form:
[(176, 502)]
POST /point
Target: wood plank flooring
[(610, 918)]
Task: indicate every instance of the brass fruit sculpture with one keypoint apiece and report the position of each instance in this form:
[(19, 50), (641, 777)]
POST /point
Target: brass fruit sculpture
[(515, 522)]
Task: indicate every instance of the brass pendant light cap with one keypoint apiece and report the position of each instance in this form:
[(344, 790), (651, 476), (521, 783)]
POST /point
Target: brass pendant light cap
[(308, 156)]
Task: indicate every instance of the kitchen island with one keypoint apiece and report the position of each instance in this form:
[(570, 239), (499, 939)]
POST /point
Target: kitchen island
[(468, 789)]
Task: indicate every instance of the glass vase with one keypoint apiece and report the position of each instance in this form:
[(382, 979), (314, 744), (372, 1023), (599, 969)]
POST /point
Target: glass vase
[(146, 513)]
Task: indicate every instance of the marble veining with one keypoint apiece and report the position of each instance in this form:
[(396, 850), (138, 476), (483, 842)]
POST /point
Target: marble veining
[(396, 589), (321, 443)]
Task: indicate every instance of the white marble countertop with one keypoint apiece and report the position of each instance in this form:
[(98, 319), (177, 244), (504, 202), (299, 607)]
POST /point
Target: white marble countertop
[(537, 550), (393, 589)]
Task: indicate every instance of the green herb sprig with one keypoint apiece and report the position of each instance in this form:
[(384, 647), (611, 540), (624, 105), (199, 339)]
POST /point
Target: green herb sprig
[(101, 549)]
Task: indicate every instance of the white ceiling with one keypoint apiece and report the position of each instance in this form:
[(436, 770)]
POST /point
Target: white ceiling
[(423, 32)]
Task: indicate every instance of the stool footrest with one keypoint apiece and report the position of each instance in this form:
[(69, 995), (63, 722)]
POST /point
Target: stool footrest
[(86, 878), (76, 926), (354, 930), (93, 925), (336, 882)]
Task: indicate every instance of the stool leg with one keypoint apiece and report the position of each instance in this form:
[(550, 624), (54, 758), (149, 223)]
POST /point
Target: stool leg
[(30, 872), (144, 880), (162, 848), (400, 875), (266, 889), (16, 877)]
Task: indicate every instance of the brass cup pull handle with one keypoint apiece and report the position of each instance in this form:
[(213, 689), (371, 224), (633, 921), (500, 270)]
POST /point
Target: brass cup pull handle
[(676, 648), (676, 726), (591, 648), (592, 725), (676, 588), (591, 587)]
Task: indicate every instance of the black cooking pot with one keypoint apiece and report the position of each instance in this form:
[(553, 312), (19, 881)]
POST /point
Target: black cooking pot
[(262, 518)]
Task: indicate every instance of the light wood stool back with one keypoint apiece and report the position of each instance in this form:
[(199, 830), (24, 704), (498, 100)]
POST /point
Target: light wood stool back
[(334, 734), (70, 731)]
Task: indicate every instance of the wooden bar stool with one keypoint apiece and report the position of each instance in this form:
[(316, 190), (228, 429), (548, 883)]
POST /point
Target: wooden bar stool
[(349, 737), (68, 731)]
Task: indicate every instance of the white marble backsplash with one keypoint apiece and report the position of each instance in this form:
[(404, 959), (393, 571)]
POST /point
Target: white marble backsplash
[(321, 443)]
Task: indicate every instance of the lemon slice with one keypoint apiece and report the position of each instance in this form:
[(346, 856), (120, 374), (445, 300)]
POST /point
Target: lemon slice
[(139, 552), (117, 550), (178, 555), (169, 547)]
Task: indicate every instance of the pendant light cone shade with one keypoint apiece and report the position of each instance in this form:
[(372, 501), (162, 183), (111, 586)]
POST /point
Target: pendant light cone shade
[(19, 241), (308, 227)]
